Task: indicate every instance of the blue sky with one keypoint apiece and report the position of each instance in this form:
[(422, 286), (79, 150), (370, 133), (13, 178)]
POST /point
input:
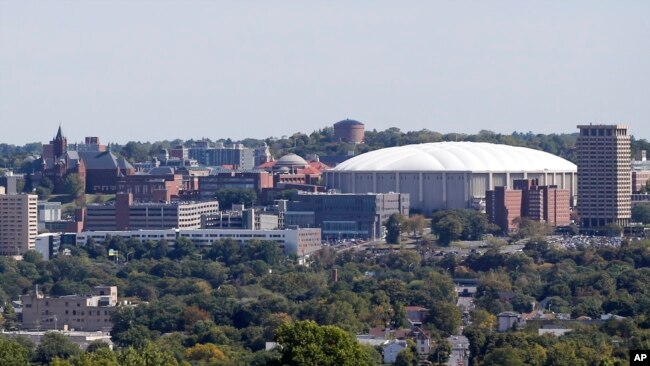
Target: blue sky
[(153, 70)]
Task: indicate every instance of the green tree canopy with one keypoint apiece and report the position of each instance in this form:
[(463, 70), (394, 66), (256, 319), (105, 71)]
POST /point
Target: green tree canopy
[(394, 228), (74, 186), (55, 345), (641, 213), (306, 343), (12, 353), (230, 196)]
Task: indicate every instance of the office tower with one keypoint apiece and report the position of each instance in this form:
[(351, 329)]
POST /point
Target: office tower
[(604, 175), (18, 223)]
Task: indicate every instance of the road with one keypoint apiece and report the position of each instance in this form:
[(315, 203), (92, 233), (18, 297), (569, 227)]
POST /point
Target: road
[(459, 351)]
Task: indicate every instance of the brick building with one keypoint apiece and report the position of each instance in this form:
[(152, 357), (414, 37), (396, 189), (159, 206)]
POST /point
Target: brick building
[(503, 206), (528, 199), (254, 179), (151, 187), (349, 130)]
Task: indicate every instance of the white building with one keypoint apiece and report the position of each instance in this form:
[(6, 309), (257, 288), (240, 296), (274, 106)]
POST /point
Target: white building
[(392, 348), (48, 245), (444, 175), (300, 242), (48, 212)]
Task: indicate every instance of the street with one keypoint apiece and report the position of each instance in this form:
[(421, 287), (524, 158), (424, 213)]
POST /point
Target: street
[(459, 351)]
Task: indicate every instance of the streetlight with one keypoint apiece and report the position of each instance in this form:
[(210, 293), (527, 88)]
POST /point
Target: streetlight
[(127, 256)]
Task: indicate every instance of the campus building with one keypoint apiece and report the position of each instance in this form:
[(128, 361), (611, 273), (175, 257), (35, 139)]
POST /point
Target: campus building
[(345, 215), (125, 214), (604, 175), (18, 222), (298, 242), (528, 199), (79, 312)]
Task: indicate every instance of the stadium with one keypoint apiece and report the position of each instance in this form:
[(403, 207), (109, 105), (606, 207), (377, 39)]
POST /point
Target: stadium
[(443, 175)]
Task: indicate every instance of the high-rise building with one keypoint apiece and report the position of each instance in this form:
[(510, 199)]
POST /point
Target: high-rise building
[(604, 175), (18, 223)]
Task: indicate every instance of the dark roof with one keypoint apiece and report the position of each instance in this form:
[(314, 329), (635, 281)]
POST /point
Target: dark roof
[(348, 122), (103, 160), (161, 170), (59, 134)]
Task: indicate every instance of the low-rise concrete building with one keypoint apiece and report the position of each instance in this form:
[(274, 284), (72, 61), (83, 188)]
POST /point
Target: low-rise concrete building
[(507, 320), (125, 214), (300, 242), (78, 312)]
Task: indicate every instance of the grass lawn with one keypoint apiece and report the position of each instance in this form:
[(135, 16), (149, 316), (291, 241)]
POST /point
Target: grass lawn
[(68, 205)]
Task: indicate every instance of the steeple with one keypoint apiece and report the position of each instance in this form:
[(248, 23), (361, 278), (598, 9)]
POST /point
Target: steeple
[(59, 144), (59, 134)]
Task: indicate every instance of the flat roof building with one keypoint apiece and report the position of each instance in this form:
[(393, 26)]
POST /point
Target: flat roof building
[(125, 214), (79, 312), (18, 223), (604, 175), (300, 242), (345, 215)]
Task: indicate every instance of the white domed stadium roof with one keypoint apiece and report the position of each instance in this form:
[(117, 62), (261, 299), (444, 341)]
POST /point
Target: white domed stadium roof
[(457, 156)]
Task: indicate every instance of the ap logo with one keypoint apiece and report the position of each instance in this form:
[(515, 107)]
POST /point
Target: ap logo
[(639, 357)]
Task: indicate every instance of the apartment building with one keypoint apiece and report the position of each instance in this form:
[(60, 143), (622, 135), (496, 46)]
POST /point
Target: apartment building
[(18, 222)]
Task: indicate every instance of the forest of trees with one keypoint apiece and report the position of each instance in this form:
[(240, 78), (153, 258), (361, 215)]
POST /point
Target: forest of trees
[(224, 302)]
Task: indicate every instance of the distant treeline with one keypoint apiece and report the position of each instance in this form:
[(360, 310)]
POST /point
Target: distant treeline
[(323, 143)]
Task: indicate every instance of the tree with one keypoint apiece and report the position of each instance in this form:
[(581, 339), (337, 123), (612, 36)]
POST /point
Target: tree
[(148, 355), (530, 228), (416, 224), (207, 352), (55, 345), (394, 228), (12, 353), (448, 229), (44, 189), (229, 196), (406, 357), (74, 186), (641, 213), (32, 256), (440, 352), (9, 316), (307, 343), (96, 345), (613, 229), (446, 317)]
